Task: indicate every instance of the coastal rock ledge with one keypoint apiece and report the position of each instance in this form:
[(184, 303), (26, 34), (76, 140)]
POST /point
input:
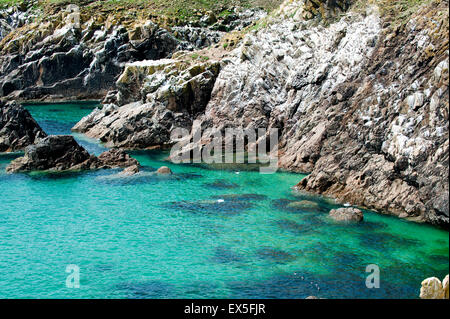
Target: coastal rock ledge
[(62, 152), (17, 128)]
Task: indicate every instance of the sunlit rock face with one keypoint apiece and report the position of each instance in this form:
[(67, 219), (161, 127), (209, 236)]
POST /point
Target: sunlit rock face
[(168, 94), (69, 55)]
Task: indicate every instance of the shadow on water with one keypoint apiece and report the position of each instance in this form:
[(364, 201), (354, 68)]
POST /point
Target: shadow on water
[(301, 284), (221, 184), (209, 207), (382, 241), (275, 255), (296, 228), (153, 289), (225, 255), (240, 197), (147, 175)]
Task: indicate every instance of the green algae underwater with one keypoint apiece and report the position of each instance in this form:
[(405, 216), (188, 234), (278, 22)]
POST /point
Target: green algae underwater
[(200, 233)]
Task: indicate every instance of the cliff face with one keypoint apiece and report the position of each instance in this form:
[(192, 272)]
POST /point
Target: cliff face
[(387, 147), (70, 53), (360, 97)]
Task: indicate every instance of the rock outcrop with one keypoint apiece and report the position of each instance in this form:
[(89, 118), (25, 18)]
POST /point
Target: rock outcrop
[(360, 105), (169, 93), (380, 139), (17, 128), (72, 54), (348, 214), (432, 288), (360, 99), (117, 158), (164, 170), (14, 17), (62, 152), (55, 152)]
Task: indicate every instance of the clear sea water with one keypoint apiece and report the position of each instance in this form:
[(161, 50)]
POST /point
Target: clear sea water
[(172, 237)]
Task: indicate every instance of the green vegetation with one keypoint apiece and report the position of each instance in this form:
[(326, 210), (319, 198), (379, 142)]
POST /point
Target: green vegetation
[(397, 12), (177, 9)]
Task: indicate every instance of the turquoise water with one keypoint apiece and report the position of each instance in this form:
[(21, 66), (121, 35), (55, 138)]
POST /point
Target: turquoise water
[(169, 237)]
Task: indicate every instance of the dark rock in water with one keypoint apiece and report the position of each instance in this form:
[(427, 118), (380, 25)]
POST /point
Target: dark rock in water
[(384, 241), (117, 158), (296, 228), (164, 170), (55, 152), (222, 184), (62, 152), (17, 127), (225, 255), (275, 255), (240, 197), (349, 214)]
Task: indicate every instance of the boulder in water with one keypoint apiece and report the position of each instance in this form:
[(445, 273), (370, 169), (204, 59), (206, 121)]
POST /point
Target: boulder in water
[(55, 152), (164, 170), (130, 170), (348, 214), (18, 129), (432, 289)]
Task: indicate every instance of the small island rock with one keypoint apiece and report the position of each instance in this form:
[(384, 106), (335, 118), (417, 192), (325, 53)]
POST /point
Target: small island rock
[(348, 214)]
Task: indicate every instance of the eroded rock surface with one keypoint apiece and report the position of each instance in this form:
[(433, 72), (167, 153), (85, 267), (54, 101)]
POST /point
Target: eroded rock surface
[(17, 128), (359, 102), (72, 54), (169, 93), (348, 214), (55, 152), (62, 152)]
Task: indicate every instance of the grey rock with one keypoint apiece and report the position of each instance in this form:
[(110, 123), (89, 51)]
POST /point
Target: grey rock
[(17, 127)]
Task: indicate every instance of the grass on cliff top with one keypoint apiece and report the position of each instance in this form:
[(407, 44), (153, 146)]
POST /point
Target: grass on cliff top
[(181, 9), (396, 11)]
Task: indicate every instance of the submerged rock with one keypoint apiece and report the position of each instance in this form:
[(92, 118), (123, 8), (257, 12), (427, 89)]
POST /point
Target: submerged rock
[(349, 214), (131, 170), (62, 152), (164, 170), (303, 204), (18, 129)]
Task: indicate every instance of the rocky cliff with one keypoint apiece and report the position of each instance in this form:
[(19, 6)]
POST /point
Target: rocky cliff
[(358, 92), (70, 52)]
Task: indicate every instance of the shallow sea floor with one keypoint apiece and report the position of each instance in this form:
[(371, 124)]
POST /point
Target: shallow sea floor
[(201, 233)]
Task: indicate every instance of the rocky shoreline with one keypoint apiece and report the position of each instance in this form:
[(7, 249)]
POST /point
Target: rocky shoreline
[(360, 100)]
